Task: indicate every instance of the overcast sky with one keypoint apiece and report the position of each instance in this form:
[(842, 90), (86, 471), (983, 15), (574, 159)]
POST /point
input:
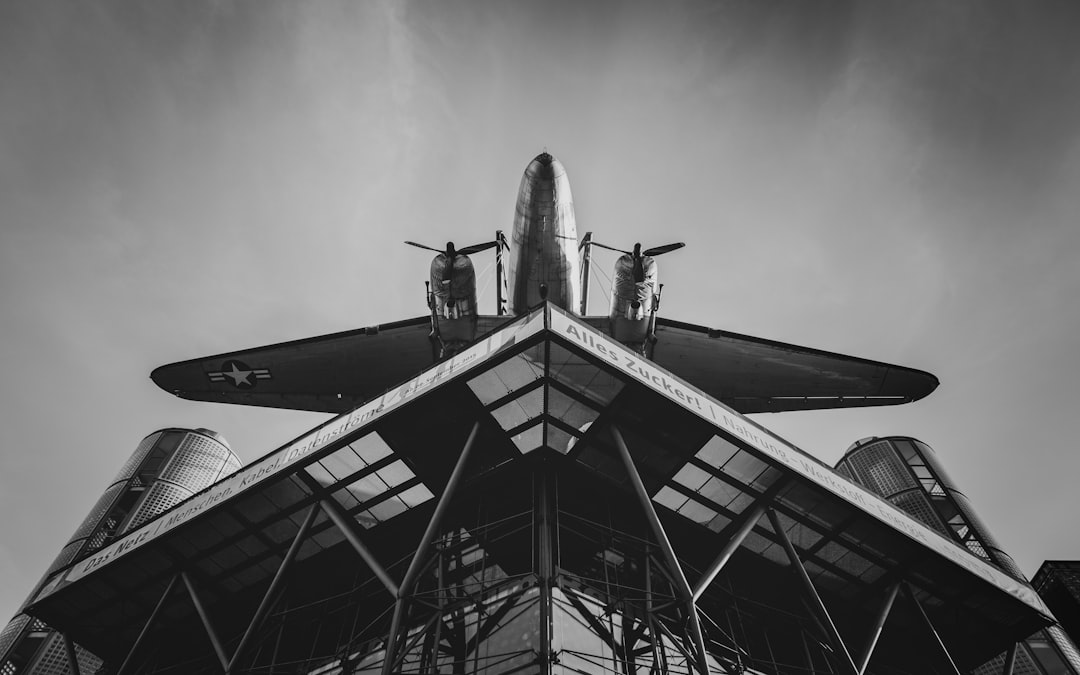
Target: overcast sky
[(898, 181)]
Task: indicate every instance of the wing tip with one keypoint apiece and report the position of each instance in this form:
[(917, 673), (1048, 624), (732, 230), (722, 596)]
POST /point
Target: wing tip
[(161, 377), (911, 383)]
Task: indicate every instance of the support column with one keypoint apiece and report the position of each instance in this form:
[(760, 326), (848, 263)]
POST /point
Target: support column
[(275, 584), (347, 526), (146, 627), (879, 623), (542, 513), (586, 266), (665, 547), (812, 594), (73, 659), (749, 519), (500, 273), (205, 618), (405, 589), (1010, 660), (933, 631)]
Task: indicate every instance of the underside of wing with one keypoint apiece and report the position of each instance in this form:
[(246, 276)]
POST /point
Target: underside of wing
[(330, 373), (754, 375)]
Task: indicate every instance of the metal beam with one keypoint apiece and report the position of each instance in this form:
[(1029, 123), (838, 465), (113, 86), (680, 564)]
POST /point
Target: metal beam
[(146, 626), (1010, 660), (275, 584), (347, 525), (73, 659), (929, 625), (879, 623), (749, 519), (586, 266), (421, 549), (812, 594), (205, 618), (665, 547), (500, 273)]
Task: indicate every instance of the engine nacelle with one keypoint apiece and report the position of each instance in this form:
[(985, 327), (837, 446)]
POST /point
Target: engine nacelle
[(632, 300), (453, 298)]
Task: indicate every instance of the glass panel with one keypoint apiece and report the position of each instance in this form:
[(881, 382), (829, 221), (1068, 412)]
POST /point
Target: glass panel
[(692, 477), (831, 551), (720, 492), (363, 489), (801, 536), (387, 509), (521, 409), (566, 409), (370, 448), (418, 494), (395, 474), (716, 452), (342, 463), (559, 440), (324, 477), (719, 522), (853, 563), (583, 377), (346, 498), (767, 478), (530, 439), (744, 467), (669, 498), (509, 376), (697, 512)]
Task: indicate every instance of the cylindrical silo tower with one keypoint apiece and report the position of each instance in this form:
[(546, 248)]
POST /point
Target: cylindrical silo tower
[(907, 473), (166, 468)]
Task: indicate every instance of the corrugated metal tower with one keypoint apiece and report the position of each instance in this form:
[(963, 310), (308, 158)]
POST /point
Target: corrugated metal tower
[(166, 468)]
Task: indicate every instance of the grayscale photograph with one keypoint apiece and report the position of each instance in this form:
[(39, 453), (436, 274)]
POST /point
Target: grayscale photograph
[(704, 337)]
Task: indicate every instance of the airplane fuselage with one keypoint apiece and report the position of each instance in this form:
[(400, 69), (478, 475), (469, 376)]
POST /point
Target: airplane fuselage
[(544, 244)]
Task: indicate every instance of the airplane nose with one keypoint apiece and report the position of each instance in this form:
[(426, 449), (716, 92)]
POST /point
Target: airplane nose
[(544, 158)]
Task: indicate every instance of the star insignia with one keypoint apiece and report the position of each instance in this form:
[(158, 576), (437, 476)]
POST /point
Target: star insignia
[(239, 374)]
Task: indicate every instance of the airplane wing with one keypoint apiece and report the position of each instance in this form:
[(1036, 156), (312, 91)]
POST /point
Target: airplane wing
[(335, 373), (329, 373), (754, 375)]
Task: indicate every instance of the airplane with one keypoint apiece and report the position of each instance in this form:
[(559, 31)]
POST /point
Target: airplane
[(542, 262)]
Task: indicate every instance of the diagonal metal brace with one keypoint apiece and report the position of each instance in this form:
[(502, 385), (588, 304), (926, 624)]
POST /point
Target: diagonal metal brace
[(665, 547), (205, 618), (146, 627), (745, 527), (72, 658), (879, 623), (275, 584), (812, 594), (421, 550), (933, 631)]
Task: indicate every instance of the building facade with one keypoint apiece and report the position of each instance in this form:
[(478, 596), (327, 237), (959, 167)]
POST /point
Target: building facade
[(1058, 582), (908, 473), (167, 467)]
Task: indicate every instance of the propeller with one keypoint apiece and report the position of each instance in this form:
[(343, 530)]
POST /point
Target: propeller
[(638, 255), (450, 251)]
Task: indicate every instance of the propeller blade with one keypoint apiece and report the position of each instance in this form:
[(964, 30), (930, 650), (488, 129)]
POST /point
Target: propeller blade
[(413, 243), (476, 248), (611, 248), (667, 248)]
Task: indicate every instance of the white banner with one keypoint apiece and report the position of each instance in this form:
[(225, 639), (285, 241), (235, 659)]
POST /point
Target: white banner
[(767, 443)]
